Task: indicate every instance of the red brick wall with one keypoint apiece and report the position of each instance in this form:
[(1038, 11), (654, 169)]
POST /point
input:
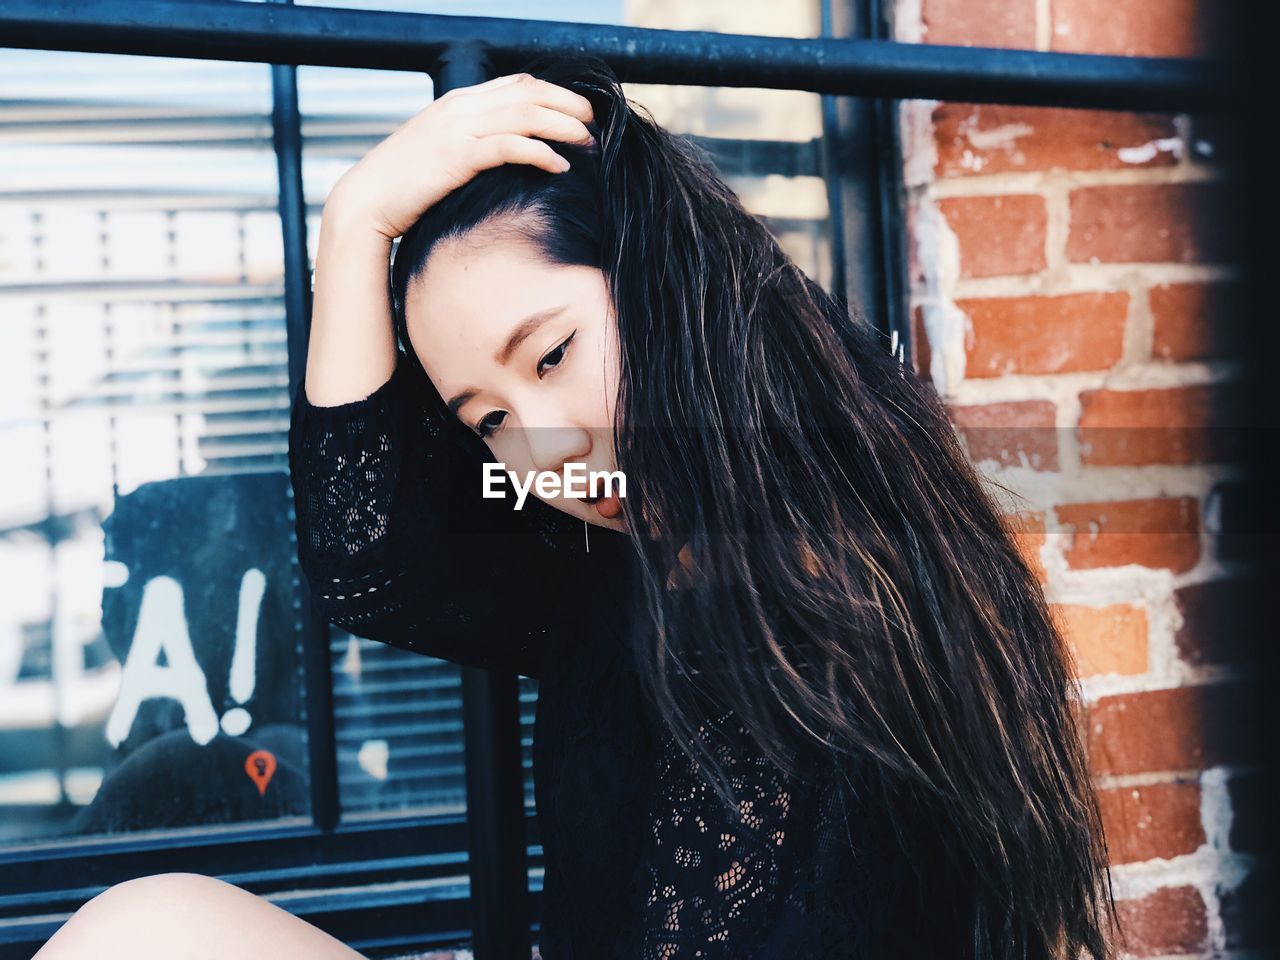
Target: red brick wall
[(1072, 295)]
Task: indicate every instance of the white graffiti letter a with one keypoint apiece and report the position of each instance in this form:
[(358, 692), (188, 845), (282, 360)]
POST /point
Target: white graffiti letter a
[(162, 625)]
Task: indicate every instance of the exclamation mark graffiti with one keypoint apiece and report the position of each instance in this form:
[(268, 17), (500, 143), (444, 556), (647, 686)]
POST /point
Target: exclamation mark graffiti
[(244, 658)]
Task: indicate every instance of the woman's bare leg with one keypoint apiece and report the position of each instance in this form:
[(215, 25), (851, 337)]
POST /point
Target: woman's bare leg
[(187, 916)]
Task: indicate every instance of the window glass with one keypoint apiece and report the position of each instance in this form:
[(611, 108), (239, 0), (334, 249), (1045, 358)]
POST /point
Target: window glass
[(572, 11), (766, 18), (150, 658), (765, 142), (397, 714), (767, 146), (398, 728)]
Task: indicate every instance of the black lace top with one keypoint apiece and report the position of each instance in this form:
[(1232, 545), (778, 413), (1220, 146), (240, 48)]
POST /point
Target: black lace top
[(642, 860)]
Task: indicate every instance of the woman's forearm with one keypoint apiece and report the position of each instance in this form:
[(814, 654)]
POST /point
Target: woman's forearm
[(352, 349)]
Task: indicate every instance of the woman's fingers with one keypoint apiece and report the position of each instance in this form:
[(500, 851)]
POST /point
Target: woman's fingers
[(500, 148), (524, 88), (532, 120), (455, 136)]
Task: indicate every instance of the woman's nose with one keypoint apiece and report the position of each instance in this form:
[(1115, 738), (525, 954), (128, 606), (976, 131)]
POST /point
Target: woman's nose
[(550, 448)]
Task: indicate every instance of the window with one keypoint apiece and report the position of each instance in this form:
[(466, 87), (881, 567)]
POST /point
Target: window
[(151, 635)]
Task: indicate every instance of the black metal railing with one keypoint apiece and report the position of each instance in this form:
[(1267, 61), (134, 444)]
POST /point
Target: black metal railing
[(325, 36)]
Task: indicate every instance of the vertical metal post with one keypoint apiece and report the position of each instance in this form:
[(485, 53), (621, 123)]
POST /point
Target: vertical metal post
[(890, 195), (286, 132), (491, 723), (863, 160)]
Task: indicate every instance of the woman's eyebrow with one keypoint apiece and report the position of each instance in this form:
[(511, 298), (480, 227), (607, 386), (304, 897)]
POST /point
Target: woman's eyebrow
[(461, 399), (523, 330)]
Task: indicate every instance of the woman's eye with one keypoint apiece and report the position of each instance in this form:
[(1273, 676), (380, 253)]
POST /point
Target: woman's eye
[(557, 353), (484, 428), (552, 359)]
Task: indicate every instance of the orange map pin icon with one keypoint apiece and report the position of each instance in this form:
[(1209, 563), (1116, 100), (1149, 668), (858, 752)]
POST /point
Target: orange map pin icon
[(260, 765)]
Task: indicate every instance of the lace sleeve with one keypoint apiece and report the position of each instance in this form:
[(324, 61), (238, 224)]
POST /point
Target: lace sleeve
[(399, 546), (717, 878)]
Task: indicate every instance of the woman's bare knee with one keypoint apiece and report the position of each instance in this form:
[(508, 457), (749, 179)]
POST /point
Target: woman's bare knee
[(187, 890), (187, 916)]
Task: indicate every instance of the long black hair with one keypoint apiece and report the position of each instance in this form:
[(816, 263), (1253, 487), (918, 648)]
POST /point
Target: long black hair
[(854, 586)]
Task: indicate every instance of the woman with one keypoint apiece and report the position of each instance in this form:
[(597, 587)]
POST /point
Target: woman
[(799, 693)]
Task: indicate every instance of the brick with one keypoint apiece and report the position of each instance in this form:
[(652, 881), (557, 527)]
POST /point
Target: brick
[(1162, 533), (1028, 532), (1062, 334), (1013, 434), (1150, 223), (915, 265), (980, 23), (1214, 621), (921, 351), (1158, 731), (977, 138), (1196, 321), (1171, 920), (1158, 820), (1111, 639), (998, 236), (1139, 28), (1169, 425)]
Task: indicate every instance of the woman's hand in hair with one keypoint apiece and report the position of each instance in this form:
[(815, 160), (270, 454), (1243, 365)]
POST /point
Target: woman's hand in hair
[(453, 138), (352, 343)]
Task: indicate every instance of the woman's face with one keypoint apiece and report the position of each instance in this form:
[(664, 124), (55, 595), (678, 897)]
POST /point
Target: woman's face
[(527, 355)]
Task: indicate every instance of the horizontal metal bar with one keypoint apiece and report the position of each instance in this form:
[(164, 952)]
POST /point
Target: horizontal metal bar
[(326, 36), (294, 851), (316, 876)]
